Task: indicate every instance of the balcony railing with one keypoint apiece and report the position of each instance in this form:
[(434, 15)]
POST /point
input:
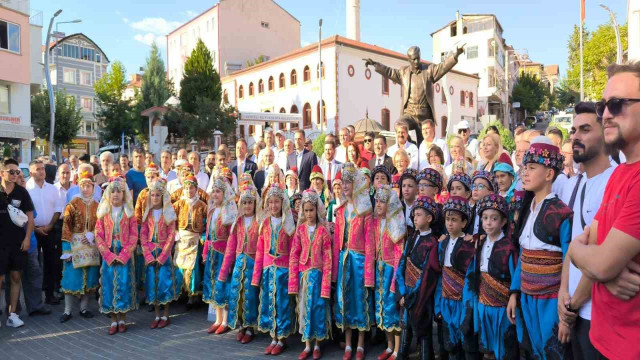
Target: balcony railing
[(36, 17), (17, 5)]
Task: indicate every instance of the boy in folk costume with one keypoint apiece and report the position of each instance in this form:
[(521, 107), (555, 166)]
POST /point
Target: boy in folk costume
[(454, 297), (495, 262), (429, 183), (482, 184), (353, 260), (192, 218), (116, 235), (389, 231), (222, 213), (241, 253), (80, 279), (310, 273), (544, 232), (157, 236), (416, 277), (185, 171), (271, 270), (319, 185)]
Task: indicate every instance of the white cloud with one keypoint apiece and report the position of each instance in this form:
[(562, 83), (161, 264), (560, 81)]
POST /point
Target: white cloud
[(158, 26), (125, 20), (149, 38), (190, 13), (305, 43)]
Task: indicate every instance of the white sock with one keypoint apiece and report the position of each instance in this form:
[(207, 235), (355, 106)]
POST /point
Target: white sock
[(224, 324), (157, 318), (84, 302), (316, 347), (347, 348), (114, 324), (280, 343), (163, 318), (360, 349), (249, 332), (307, 349), (121, 322), (273, 342), (388, 351), (68, 303), (395, 354)]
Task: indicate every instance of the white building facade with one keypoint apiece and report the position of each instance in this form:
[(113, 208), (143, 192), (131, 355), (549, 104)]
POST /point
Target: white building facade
[(235, 31), (291, 84)]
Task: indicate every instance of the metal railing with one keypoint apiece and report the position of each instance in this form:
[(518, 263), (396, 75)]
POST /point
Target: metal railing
[(36, 17)]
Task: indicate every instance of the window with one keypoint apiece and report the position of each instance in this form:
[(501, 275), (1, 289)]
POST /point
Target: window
[(86, 104), (453, 29), (385, 116), (492, 47), (69, 76), (281, 81), (492, 76), (462, 98), (282, 111), (306, 116), (444, 98), (240, 92), (251, 89), (97, 60), (271, 83), (294, 110), (478, 25), (213, 21), (87, 54), (9, 36), (306, 75), (324, 112), (472, 52), (264, 24), (294, 77), (260, 86), (4, 99), (321, 70), (85, 78), (470, 99), (385, 85)]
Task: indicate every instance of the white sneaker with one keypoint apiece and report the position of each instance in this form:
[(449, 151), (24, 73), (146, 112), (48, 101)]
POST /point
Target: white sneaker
[(14, 321)]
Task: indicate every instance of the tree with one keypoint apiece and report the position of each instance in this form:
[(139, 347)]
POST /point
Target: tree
[(200, 79), (114, 114), (529, 92), (155, 90), (565, 95), (256, 61), (68, 117), (209, 118), (506, 136)]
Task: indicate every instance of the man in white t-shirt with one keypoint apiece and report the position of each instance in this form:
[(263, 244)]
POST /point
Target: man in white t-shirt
[(402, 141), (341, 150), (429, 135), (583, 193)]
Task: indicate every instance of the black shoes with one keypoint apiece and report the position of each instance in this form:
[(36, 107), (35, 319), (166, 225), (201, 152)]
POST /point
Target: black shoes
[(65, 317)]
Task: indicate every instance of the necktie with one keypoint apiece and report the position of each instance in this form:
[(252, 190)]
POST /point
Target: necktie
[(379, 161)]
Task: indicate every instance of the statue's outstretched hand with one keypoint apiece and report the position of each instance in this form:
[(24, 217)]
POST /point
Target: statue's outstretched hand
[(459, 50), (369, 61)]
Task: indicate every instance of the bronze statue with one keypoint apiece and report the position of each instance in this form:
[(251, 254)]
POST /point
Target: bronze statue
[(417, 81)]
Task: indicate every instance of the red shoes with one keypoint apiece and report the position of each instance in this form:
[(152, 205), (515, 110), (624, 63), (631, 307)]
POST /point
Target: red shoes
[(163, 323), (385, 355), (317, 354), (222, 329), (304, 354), (360, 354), (154, 323), (278, 349), (240, 335), (113, 329), (122, 328), (347, 355), (213, 328), (246, 338), (269, 349)]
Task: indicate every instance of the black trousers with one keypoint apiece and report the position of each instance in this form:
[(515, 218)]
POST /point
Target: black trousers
[(51, 250), (580, 342)]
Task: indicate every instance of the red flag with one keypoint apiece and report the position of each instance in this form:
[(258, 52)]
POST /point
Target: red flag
[(582, 11)]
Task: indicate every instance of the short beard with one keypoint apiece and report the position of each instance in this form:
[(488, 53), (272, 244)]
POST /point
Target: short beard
[(589, 153), (618, 144)]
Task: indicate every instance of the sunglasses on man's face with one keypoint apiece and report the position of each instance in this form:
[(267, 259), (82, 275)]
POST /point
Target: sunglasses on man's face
[(367, 140), (614, 105), (462, 131), (13, 172)]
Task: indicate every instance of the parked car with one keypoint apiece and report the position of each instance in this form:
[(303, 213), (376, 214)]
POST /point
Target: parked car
[(564, 120), (530, 121), (114, 149)]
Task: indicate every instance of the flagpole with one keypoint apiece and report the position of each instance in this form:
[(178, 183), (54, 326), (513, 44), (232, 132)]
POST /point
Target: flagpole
[(582, 11)]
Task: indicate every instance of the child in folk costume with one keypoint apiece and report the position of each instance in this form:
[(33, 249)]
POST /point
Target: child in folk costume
[(78, 239), (337, 198), (151, 173), (389, 231), (483, 184), (429, 183), (505, 177), (223, 211), (544, 232), (454, 297), (192, 217), (319, 185), (295, 201), (157, 236), (459, 185), (116, 235), (495, 263), (416, 277), (310, 273), (353, 260), (241, 253), (276, 311)]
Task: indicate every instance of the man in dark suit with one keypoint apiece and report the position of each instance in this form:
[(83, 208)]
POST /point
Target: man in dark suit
[(303, 159), (243, 164), (380, 156)]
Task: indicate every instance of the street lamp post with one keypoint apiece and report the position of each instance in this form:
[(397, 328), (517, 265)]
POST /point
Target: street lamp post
[(615, 28), (321, 112), (52, 102), (76, 21)]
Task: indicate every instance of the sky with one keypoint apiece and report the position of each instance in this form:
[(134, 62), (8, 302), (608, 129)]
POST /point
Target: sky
[(124, 29)]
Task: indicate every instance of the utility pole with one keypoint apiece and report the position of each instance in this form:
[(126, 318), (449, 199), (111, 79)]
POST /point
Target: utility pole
[(617, 31), (52, 101), (321, 112)]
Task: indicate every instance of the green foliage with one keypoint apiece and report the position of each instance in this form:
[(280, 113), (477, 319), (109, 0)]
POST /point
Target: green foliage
[(68, 117), (565, 132), (210, 117), (200, 79), (114, 114), (256, 61), (506, 136), (565, 95), (529, 92), (318, 144), (599, 51)]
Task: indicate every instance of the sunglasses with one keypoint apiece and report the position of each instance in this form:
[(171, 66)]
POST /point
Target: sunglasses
[(462, 131), (614, 105), (13, 172), (367, 140)]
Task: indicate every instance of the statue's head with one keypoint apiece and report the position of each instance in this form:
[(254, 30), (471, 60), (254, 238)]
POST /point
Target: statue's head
[(414, 57)]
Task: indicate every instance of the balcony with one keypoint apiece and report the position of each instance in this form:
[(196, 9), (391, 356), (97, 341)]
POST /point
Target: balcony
[(17, 5), (35, 17)]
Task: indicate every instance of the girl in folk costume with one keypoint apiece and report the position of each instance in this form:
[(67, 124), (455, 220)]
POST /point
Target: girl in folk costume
[(310, 273), (389, 231), (192, 217), (80, 278), (353, 260), (454, 296), (543, 231), (483, 184), (416, 278), (241, 253), (495, 262), (276, 311), (157, 236), (223, 211), (319, 185), (337, 198), (117, 237), (295, 201)]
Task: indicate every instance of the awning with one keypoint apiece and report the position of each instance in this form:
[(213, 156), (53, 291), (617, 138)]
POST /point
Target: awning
[(251, 118), (16, 131)]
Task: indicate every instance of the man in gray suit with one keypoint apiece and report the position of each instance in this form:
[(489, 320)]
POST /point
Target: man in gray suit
[(328, 163), (303, 159), (417, 81)]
